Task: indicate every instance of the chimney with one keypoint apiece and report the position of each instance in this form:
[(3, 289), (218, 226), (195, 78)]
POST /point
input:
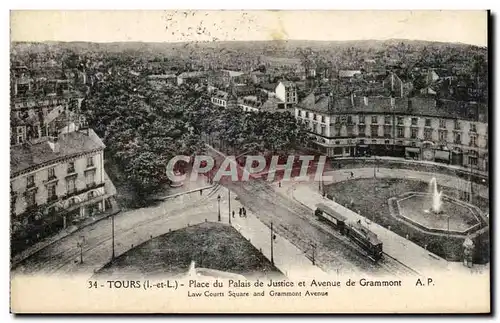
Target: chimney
[(54, 145), (365, 100)]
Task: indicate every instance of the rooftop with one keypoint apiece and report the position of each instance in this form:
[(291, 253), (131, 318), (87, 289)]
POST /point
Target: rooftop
[(418, 106), (25, 156)]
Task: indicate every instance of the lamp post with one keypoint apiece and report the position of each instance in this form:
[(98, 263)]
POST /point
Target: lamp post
[(112, 237), (218, 206), (272, 241), (79, 244), (229, 194)]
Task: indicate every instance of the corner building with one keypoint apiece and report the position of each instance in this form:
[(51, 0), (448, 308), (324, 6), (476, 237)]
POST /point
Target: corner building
[(419, 128)]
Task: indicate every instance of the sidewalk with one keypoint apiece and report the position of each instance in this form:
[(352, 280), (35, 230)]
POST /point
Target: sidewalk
[(416, 162), (290, 260)]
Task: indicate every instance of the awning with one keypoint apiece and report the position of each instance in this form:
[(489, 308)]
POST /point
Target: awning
[(442, 154), (412, 149)]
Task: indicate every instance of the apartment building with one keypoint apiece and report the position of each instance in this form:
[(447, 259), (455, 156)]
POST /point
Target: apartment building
[(286, 91), (418, 128), (57, 181)]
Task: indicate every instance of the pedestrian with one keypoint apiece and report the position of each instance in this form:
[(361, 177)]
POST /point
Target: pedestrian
[(352, 175), (240, 212), (233, 214), (279, 183), (201, 192), (244, 212)]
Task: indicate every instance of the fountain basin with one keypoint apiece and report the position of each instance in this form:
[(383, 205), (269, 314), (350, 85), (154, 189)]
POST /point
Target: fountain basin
[(455, 217)]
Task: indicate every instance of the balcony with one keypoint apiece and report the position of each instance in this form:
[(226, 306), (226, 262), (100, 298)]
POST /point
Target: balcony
[(52, 198), (82, 191)]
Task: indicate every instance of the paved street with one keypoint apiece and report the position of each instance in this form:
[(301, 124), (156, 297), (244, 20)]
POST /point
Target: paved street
[(295, 222), (131, 228)]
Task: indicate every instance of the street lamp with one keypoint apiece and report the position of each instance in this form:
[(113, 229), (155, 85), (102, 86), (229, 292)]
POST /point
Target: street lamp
[(229, 193), (113, 237), (218, 206), (79, 244), (272, 240)]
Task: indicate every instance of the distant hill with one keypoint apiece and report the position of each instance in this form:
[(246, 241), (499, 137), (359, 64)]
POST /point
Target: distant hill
[(283, 45)]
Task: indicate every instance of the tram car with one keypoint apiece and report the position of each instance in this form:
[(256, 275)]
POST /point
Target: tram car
[(366, 239), (356, 232)]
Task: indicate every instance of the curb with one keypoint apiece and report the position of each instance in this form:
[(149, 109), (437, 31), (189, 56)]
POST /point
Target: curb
[(163, 198)]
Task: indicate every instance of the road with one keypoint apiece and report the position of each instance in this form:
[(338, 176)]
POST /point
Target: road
[(131, 228), (295, 222)]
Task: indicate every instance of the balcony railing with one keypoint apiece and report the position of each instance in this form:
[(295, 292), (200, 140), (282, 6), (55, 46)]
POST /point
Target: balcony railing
[(82, 191)]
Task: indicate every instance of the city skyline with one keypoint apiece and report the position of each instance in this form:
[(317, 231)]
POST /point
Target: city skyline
[(469, 27)]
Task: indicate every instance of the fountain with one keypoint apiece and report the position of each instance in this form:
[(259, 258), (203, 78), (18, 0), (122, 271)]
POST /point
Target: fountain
[(437, 202)]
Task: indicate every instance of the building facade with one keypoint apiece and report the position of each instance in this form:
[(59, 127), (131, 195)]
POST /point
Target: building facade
[(416, 128), (57, 181), (286, 91)]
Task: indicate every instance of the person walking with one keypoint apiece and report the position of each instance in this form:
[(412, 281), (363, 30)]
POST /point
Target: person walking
[(240, 212), (352, 175), (244, 212), (233, 214)]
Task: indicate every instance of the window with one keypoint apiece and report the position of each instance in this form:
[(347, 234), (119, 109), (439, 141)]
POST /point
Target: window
[(31, 198), (307, 114), (337, 132), (30, 181), (427, 122), (387, 142), (473, 127), (349, 131), (457, 125), (414, 133), (374, 131), (70, 185), (314, 116), (89, 178), (414, 121), (51, 192), (401, 132), (72, 202), (71, 167), (51, 173), (400, 121), (362, 119), (387, 119), (90, 161), (428, 134), (362, 142), (472, 160), (442, 123), (374, 119), (442, 135), (349, 119), (473, 141), (458, 138), (361, 130), (322, 130), (323, 119)]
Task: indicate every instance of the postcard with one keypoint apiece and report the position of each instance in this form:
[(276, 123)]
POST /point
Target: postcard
[(246, 161)]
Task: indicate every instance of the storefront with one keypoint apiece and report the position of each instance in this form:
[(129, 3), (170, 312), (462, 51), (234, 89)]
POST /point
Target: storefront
[(442, 156), (412, 153), (363, 151), (457, 157)]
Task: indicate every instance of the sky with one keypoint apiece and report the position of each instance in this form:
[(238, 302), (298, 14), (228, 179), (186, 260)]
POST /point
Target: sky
[(468, 27)]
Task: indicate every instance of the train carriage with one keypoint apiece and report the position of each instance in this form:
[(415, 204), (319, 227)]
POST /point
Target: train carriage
[(329, 215), (356, 232)]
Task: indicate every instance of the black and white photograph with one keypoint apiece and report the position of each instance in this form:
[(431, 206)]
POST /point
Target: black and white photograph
[(236, 161)]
